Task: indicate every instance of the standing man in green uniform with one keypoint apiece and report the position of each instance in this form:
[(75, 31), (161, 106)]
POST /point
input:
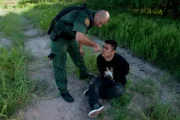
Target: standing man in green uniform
[(68, 35)]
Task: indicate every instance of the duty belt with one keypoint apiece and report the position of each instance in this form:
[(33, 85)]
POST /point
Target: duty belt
[(66, 36)]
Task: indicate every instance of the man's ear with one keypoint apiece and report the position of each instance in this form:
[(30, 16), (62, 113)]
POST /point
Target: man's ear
[(114, 51)]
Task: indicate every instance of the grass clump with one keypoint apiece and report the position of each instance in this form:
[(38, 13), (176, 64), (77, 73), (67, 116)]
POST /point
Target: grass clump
[(12, 26), (145, 87), (119, 110), (14, 84), (15, 87), (159, 111)]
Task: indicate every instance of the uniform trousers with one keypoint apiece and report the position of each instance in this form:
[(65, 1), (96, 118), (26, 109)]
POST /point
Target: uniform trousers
[(60, 48)]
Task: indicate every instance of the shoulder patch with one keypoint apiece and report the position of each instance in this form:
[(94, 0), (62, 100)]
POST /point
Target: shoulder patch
[(87, 22)]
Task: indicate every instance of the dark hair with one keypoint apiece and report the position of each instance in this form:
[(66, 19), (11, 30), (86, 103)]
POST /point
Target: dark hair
[(113, 43)]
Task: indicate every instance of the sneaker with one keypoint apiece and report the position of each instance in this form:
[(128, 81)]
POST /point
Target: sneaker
[(67, 97), (89, 76), (86, 92), (96, 109)]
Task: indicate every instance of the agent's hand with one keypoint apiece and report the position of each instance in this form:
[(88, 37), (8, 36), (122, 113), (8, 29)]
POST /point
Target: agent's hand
[(81, 51), (97, 48)]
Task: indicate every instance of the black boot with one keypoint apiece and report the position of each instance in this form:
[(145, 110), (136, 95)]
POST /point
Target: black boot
[(67, 97)]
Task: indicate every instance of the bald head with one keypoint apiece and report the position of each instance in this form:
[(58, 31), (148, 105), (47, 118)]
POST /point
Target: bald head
[(103, 14), (101, 17)]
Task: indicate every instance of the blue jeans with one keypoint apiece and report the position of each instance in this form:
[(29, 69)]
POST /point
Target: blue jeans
[(106, 89)]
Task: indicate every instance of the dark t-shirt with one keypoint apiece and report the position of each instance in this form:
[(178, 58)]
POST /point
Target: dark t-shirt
[(118, 65)]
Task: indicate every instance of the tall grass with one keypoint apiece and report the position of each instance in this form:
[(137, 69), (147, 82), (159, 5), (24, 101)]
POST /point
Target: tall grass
[(1, 3), (13, 81), (89, 59), (119, 110), (14, 84), (12, 27), (151, 38), (42, 14), (158, 111), (146, 88)]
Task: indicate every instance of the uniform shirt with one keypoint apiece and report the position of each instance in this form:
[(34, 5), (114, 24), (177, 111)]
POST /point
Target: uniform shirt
[(79, 21), (118, 65)]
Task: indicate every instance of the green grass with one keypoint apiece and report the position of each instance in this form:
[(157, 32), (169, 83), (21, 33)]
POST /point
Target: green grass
[(89, 59), (119, 110), (159, 111), (14, 84), (15, 87), (43, 13), (154, 39), (145, 87), (1, 3), (12, 27)]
